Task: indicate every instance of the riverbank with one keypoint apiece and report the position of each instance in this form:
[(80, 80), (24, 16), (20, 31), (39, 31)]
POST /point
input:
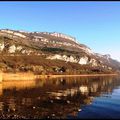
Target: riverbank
[(31, 76)]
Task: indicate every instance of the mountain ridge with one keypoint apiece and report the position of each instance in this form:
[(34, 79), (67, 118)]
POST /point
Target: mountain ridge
[(52, 46)]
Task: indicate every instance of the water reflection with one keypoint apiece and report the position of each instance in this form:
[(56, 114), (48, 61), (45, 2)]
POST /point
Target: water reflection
[(52, 98)]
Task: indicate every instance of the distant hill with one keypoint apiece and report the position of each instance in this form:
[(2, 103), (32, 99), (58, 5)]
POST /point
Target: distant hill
[(50, 53)]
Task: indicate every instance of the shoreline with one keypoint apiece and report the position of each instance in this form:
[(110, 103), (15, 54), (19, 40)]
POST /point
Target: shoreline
[(31, 76), (83, 75)]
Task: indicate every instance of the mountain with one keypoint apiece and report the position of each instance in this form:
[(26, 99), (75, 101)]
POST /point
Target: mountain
[(50, 52)]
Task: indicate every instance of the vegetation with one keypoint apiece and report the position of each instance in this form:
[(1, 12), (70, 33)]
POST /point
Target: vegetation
[(40, 65)]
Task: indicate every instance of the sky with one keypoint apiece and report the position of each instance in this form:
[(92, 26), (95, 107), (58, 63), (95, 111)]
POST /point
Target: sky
[(95, 24)]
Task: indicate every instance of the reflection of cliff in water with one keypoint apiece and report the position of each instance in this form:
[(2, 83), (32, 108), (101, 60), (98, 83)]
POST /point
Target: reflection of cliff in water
[(52, 97)]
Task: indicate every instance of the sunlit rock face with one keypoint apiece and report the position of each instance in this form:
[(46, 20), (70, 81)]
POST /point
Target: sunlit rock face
[(2, 46), (14, 33), (19, 48), (88, 51), (69, 59), (93, 62), (26, 52), (83, 60), (63, 57), (12, 49), (20, 35), (54, 57)]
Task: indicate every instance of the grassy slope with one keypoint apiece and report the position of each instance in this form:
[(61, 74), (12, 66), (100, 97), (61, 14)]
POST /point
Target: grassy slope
[(40, 65)]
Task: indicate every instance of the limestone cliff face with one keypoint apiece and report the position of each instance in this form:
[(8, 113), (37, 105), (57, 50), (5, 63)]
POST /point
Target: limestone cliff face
[(82, 61), (2, 46), (12, 49)]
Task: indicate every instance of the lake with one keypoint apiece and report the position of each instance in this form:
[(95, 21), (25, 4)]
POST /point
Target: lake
[(74, 97)]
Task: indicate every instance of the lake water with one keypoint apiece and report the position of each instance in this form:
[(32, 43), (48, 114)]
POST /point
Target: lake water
[(74, 97)]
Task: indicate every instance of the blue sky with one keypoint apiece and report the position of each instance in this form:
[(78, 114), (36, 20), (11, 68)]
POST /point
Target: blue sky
[(96, 24)]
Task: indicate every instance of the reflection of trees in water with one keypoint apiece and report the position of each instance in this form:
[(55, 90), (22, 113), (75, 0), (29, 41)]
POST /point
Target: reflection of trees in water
[(55, 97)]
